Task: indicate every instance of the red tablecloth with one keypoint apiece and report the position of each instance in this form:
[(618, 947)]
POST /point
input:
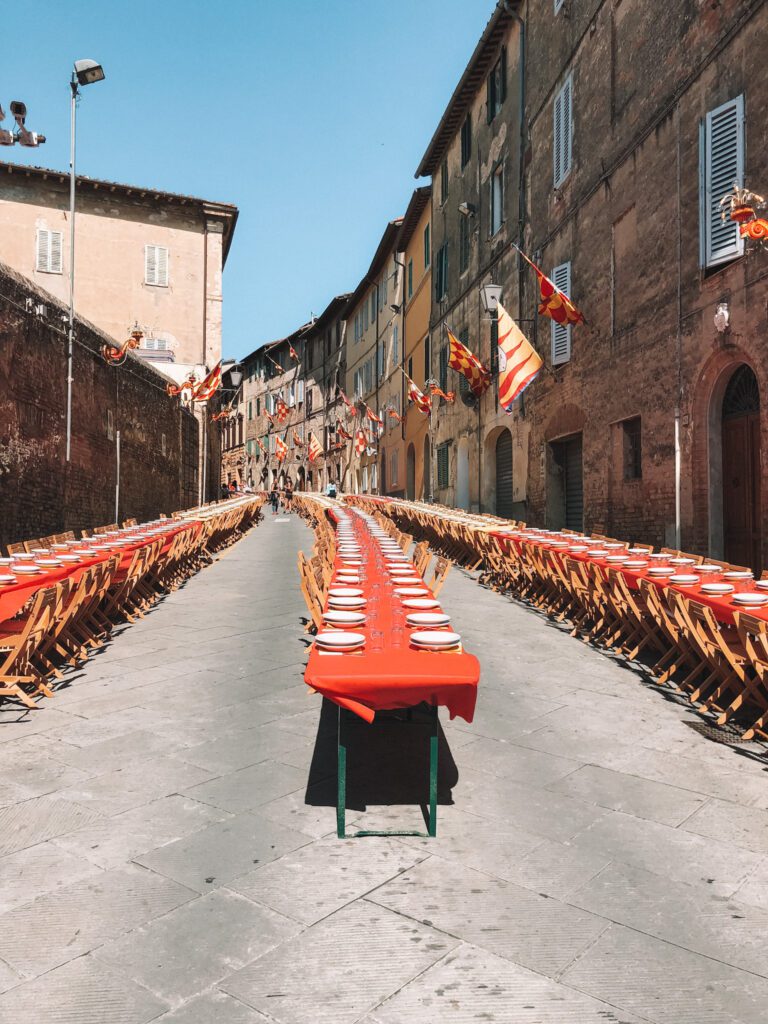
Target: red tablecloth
[(14, 597), (723, 605), (370, 681)]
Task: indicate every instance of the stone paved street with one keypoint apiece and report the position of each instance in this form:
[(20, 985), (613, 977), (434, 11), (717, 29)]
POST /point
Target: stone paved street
[(168, 850)]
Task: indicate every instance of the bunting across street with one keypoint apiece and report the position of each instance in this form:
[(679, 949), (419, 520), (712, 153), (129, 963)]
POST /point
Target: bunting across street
[(274, 362), (466, 363), (519, 362), (270, 417), (395, 415), (554, 303), (315, 449)]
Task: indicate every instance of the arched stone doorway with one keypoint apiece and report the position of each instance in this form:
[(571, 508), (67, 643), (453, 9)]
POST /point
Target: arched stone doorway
[(740, 461), (504, 478), (410, 473), (462, 473), (428, 495)]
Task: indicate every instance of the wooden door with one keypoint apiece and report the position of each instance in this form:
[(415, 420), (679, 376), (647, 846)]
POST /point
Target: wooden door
[(742, 526), (504, 490)]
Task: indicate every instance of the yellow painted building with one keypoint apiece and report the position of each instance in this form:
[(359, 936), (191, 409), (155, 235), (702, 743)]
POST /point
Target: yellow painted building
[(416, 245)]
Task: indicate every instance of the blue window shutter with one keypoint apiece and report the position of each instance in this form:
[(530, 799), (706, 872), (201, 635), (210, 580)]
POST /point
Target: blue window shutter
[(561, 336), (723, 166)]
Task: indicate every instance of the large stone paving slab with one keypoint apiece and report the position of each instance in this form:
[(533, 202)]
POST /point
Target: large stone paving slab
[(335, 971), (34, 821)]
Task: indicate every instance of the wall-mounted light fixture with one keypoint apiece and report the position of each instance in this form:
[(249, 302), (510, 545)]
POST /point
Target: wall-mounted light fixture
[(722, 317)]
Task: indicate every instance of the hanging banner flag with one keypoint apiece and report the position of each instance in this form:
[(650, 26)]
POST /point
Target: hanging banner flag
[(466, 363), (519, 362), (281, 449), (449, 396), (395, 415), (270, 417), (293, 353), (315, 449), (554, 303), (342, 432), (274, 362), (347, 402), (297, 440), (281, 410), (361, 442), (371, 415), (261, 445), (417, 396)]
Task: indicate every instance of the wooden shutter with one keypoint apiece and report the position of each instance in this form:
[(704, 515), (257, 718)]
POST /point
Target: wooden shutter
[(442, 465), (723, 166), (562, 141), (561, 336), (54, 256), (41, 249), (162, 266), (48, 251), (443, 374), (150, 265)]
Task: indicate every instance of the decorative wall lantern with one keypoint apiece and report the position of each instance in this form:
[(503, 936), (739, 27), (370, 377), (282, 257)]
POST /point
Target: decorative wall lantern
[(722, 317), (740, 205), (490, 294), (115, 355)]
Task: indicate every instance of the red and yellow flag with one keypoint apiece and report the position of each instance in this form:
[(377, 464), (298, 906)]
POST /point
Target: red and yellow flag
[(347, 402), (208, 387), (449, 396), (293, 353), (361, 442), (462, 360), (281, 409), (261, 445), (342, 432), (269, 416), (519, 362), (554, 303), (417, 396), (371, 415), (315, 449), (281, 449), (395, 415), (297, 440)]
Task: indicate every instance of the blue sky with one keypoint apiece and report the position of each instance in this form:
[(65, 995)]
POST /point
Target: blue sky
[(310, 115)]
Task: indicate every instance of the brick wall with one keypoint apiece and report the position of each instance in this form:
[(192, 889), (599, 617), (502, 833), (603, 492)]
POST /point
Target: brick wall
[(40, 493)]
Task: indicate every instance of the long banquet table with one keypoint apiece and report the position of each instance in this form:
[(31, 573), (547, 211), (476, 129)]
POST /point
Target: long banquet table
[(399, 675)]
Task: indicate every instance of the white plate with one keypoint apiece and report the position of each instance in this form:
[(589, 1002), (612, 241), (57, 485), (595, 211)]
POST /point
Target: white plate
[(345, 592), (635, 563), (6, 561), (716, 588), (733, 574), (657, 554), (597, 553), (26, 557), (69, 558), (407, 581), (437, 638), (410, 591), (706, 567), (682, 561), (26, 570), (48, 562), (615, 558), (352, 561), (346, 602), (83, 552), (344, 577), (6, 580), (660, 570), (750, 599), (614, 545), (405, 571), (423, 603), (428, 619), (638, 551), (763, 584), (335, 639), (579, 547), (683, 578), (337, 618)]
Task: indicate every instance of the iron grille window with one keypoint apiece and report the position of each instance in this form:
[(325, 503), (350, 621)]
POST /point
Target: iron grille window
[(427, 248), (441, 272), (466, 140)]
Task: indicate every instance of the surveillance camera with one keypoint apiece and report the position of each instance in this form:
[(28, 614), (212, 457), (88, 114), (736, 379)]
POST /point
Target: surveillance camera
[(19, 111), (6, 138)]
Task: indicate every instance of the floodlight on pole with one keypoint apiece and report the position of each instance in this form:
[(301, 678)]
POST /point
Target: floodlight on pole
[(85, 73)]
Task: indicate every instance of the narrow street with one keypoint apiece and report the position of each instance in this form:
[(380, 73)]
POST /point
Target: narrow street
[(169, 850)]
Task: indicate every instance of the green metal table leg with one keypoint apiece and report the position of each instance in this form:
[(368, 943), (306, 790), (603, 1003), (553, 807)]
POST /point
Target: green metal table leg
[(433, 773), (341, 790)]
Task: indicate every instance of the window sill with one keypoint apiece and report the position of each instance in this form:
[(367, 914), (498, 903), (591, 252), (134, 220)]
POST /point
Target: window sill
[(149, 284), (55, 273)]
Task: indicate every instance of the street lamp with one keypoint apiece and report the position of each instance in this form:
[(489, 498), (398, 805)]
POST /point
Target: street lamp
[(489, 296), (85, 73)]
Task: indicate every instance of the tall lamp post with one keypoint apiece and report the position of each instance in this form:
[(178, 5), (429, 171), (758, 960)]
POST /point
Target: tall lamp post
[(85, 73)]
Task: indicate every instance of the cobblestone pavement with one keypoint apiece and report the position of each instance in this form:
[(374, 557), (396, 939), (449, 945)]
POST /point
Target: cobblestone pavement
[(167, 849)]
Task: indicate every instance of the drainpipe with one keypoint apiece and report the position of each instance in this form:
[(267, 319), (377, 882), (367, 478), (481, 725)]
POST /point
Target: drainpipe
[(678, 348)]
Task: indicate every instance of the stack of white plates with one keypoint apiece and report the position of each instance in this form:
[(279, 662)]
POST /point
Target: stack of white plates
[(751, 600), (613, 545), (422, 603), (638, 551), (579, 547), (404, 570), (6, 561), (428, 619), (741, 574), (69, 558), (47, 563), (763, 584), (635, 563), (597, 553), (716, 588), (706, 567), (339, 640), (342, 618), (345, 592), (6, 579), (438, 639), (347, 577), (25, 569), (682, 561), (684, 578), (346, 602), (411, 591), (24, 557), (660, 570), (615, 558)]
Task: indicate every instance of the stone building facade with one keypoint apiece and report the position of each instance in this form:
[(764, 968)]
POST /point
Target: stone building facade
[(134, 449), (615, 129)]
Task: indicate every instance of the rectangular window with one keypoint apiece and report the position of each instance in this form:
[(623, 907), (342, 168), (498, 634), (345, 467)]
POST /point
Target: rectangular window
[(395, 345), (561, 336), (427, 358), (443, 374), (368, 376), (48, 251), (300, 392), (393, 471), (463, 243), (496, 90), (441, 272), (365, 318), (466, 140), (497, 199), (562, 132), (633, 461), (721, 164), (410, 367), (309, 400), (427, 248), (373, 305), (156, 265), (258, 407), (250, 410), (410, 278), (442, 464), (443, 180), (382, 359)]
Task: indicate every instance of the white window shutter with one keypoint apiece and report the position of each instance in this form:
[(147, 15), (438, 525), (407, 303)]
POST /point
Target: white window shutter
[(54, 255), (567, 109), (562, 142), (162, 266), (723, 166), (557, 139), (150, 265), (561, 336)]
